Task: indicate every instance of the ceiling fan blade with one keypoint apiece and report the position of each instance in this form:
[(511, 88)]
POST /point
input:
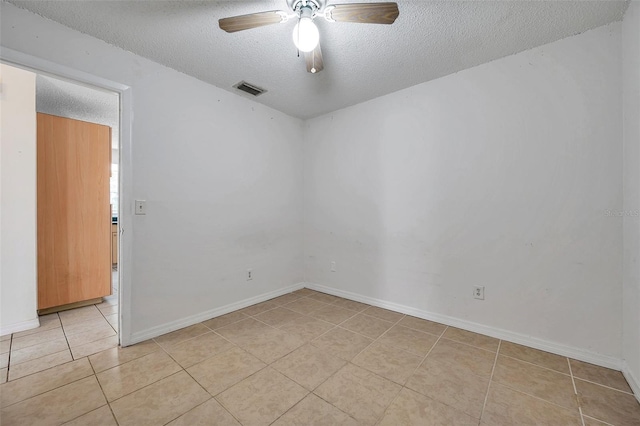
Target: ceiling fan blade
[(364, 13), (314, 60), (254, 20)]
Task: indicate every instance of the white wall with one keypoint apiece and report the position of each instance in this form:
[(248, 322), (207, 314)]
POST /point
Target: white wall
[(17, 200), (222, 177), (500, 176), (631, 147)]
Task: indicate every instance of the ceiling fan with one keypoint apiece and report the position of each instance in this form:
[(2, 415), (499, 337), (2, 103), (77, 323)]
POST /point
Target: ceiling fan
[(305, 33)]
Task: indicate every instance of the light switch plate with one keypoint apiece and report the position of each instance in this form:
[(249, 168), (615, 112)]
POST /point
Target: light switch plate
[(141, 207)]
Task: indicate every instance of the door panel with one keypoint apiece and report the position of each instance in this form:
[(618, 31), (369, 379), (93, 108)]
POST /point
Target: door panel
[(74, 215)]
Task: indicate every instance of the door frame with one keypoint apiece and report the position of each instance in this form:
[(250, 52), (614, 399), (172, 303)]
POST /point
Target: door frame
[(125, 169)]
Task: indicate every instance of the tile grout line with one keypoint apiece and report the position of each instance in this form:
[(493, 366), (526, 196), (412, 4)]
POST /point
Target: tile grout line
[(601, 421), (403, 386), (533, 396), (605, 386), (9, 358), (372, 340), (102, 390), (575, 391), (349, 362), (493, 369), (105, 318), (537, 365)]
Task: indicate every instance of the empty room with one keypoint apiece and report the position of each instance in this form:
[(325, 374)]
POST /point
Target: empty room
[(318, 212)]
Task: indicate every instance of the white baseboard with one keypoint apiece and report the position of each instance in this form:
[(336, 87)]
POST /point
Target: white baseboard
[(631, 379), (19, 326), (522, 339), (159, 330)]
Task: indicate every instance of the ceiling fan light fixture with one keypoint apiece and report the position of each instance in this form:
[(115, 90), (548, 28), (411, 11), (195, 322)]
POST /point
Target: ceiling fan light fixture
[(305, 35)]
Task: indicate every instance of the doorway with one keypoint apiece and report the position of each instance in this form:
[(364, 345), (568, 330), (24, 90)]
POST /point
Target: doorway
[(97, 326)]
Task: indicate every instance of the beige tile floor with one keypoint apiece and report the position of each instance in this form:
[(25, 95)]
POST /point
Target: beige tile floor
[(62, 337), (305, 358)]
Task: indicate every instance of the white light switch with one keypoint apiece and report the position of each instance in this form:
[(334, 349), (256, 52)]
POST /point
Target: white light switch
[(141, 207)]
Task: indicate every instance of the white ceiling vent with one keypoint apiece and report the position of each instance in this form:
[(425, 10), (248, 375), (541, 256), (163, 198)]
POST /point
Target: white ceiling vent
[(250, 88)]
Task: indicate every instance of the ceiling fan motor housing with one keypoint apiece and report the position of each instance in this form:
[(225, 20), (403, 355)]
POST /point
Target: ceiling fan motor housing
[(305, 7)]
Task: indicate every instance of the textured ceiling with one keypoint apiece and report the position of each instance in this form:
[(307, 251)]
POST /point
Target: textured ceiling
[(362, 61), (59, 97)]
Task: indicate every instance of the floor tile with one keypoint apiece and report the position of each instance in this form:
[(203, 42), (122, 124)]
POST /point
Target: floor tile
[(323, 297), (359, 393), (351, 305), (205, 415), (284, 299), (588, 421), (603, 376), (36, 338), (332, 314), (258, 308), (99, 332), (423, 325), (473, 339), (271, 344), (461, 357), (278, 316), (224, 370), (305, 306), (261, 398), (307, 328), (537, 381), (410, 340), (198, 349), (317, 412), (412, 409), (309, 366), (108, 309), (366, 325), (44, 381), (343, 343), (181, 335), (507, 407), (86, 313), (454, 387), (94, 347), (36, 351), (39, 364), (535, 356), (608, 405), (47, 322), (389, 362), (112, 320), (85, 326), (243, 331), (304, 292), (223, 320), (160, 402), (127, 378), (56, 406), (100, 417), (119, 355), (384, 314)]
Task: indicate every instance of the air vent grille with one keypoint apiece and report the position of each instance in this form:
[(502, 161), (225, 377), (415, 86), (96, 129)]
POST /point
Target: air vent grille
[(249, 88)]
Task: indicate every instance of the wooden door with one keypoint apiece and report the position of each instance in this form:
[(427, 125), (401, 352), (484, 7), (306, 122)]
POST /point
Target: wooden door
[(74, 214)]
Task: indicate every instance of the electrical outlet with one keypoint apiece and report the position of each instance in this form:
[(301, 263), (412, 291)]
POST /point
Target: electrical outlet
[(333, 266), (478, 292), (249, 274)]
